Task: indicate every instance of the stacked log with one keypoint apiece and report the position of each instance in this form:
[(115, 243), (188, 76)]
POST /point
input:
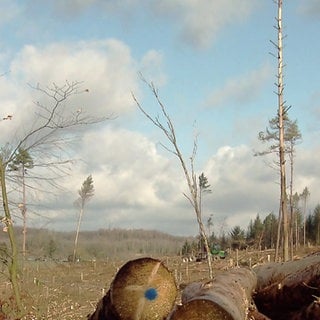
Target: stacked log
[(289, 290), (143, 289), (227, 296)]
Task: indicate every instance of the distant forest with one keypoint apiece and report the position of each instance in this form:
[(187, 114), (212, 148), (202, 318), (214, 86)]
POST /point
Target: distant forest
[(125, 244), (100, 244)]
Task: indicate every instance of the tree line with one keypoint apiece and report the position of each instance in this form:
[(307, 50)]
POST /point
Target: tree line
[(261, 233), (102, 244)]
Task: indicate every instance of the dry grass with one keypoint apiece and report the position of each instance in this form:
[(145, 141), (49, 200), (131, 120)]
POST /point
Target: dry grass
[(60, 290), (66, 291)]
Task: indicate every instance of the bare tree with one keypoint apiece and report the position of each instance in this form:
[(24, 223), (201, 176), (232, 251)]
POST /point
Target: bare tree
[(280, 147), (85, 194), (194, 193), (53, 119), (282, 110), (203, 189), (304, 196), (292, 136)]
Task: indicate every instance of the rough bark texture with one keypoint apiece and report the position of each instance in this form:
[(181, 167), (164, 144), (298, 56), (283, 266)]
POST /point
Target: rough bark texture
[(104, 310), (143, 289), (289, 290), (227, 296)]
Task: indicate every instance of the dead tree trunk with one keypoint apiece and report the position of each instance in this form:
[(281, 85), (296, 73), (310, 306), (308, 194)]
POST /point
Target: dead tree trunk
[(289, 290), (227, 297), (143, 289)]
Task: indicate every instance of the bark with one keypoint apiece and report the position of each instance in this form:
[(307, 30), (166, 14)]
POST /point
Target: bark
[(310, 312), (227, 296), (13, 261), (287, 290), (143, 289), (104, 310)]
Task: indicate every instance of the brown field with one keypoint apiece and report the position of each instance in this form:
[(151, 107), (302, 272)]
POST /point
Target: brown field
[(53, 290)]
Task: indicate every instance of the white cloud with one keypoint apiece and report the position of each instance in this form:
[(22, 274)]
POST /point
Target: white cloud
[(8, 11), (152, 68), (127, 165), (136, 186), (106, 68), (200, 22), (310, 8), (242, 89)]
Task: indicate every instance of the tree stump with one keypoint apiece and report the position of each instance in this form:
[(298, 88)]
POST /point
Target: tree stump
[(226, 297), (143, 289)]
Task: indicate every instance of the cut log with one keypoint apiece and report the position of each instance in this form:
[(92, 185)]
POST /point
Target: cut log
[(226, 297), (287, 289), (104, 310), (311, 312), (143, 289)]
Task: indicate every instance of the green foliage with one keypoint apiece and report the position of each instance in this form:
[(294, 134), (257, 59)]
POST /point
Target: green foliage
[(21, 160), (270, 224), (204, 184), (315, 231), (186, 248), (51, 248), (292, 135), (237, 233), (86, 192), (237, 237)]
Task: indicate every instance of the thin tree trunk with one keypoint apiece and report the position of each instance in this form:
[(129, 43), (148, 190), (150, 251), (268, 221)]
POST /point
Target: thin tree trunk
[(13, 265), (24, 214), (77, 235), (276, 258), (281, 112), (304, 221), (293, 235), (169, 132)]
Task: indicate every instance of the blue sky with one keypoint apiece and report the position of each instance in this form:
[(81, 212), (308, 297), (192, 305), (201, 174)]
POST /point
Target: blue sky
[(210, 61)]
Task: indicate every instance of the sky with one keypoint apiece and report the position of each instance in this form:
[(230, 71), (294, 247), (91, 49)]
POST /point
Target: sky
[(213, 64)]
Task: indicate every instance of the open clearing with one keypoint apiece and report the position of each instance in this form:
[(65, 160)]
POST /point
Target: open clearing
[(61, 290)]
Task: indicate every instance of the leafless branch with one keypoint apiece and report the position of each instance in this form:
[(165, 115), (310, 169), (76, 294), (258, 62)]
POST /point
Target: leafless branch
[(190, 175)]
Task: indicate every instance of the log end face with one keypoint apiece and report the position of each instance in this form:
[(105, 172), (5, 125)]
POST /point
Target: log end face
[(143, 289), (200, 309)]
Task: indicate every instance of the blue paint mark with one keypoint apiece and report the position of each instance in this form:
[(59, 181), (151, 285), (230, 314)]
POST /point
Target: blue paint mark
[(151, 294)]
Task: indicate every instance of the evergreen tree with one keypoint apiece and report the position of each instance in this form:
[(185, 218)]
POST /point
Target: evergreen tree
[(270, 224), (304, 197), (237, 237), (21, 163), (316, 224)]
